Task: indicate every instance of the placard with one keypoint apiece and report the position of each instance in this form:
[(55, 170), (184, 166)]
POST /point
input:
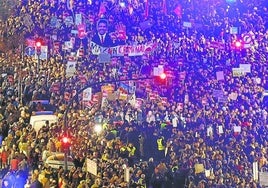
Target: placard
[(246, 67), (87, 94), (187, 24), (220, 75), (237, 129), (263, 178), (237, 72), (220, 129), (199, 168), (233, 30), (92, 167), (104, 58)]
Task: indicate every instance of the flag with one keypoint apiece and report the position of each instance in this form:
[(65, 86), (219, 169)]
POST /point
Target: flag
[(82, 79), (178, 11), (138, 103), (80, 52), (88, 103), (164, 6), (121, 31), (102, 9), (122, 95), (81, 31), (67, 96), (74, 92), (146, 8), (54, 87), (132, 100), (124, 87), (95, 98), (164, 100), (153, 95), (56, 47)]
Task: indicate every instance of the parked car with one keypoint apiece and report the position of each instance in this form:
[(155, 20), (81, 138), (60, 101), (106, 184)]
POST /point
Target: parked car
[(57, 159)]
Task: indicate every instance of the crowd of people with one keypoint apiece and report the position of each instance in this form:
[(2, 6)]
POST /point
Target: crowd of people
[(205, 126)]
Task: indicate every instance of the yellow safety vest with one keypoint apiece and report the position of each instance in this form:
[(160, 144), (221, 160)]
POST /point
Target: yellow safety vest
[(131, 151), (160, 145)]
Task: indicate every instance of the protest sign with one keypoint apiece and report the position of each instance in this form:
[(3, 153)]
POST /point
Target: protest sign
[(87, 94), (246, 67), (220, 75), (237, 72), (121, 50), (104, 58)]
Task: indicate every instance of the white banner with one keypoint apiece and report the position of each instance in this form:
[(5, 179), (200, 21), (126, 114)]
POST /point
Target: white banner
[(130, 50)]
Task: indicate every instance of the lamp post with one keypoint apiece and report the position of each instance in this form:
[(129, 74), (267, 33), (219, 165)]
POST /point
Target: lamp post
[(65, 124), (38, 46)]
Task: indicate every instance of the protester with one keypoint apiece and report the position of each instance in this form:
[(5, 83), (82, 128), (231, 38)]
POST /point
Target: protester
[(211, 117)]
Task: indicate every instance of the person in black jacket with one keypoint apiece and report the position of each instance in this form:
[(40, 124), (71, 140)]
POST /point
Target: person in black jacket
[(102, 37)]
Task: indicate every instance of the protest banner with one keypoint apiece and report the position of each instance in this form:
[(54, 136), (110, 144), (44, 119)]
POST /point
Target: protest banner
[(121, 50)]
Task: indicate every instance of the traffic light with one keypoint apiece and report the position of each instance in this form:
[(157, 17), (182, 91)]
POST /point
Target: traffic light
[(65, 142), (38, 45), (237, 45)]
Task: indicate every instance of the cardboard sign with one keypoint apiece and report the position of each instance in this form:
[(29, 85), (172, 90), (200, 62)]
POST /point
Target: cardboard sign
[(187, 24), (237, 129), (233, 96), (104, 58), (87, 94), (233, 30), (92, 167), (220, 75), (220, 129), (199, 168), (237, 72), (245, 67)]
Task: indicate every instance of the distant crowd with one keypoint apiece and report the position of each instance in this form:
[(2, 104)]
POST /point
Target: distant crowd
[(205, 126)]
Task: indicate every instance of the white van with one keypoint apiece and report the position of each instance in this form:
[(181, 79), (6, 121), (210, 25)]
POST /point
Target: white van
[(38, 121)]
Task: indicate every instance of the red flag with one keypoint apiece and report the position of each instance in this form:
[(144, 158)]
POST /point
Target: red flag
[(74, 92), (56, 48), (81, 31), (164, 6), (121, 31), (95, 98), (146, 8), (178, 11), (67, 96), (102, 10)]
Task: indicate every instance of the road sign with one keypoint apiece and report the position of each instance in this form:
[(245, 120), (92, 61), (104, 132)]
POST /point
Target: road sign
[(29, 51)]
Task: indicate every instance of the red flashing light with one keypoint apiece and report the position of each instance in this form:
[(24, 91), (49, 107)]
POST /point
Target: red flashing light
[(38, 44), (238, 44), (163, 76), (65, 140)]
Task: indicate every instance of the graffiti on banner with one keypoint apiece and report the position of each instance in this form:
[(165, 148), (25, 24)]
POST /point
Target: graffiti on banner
[(121, 50)]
